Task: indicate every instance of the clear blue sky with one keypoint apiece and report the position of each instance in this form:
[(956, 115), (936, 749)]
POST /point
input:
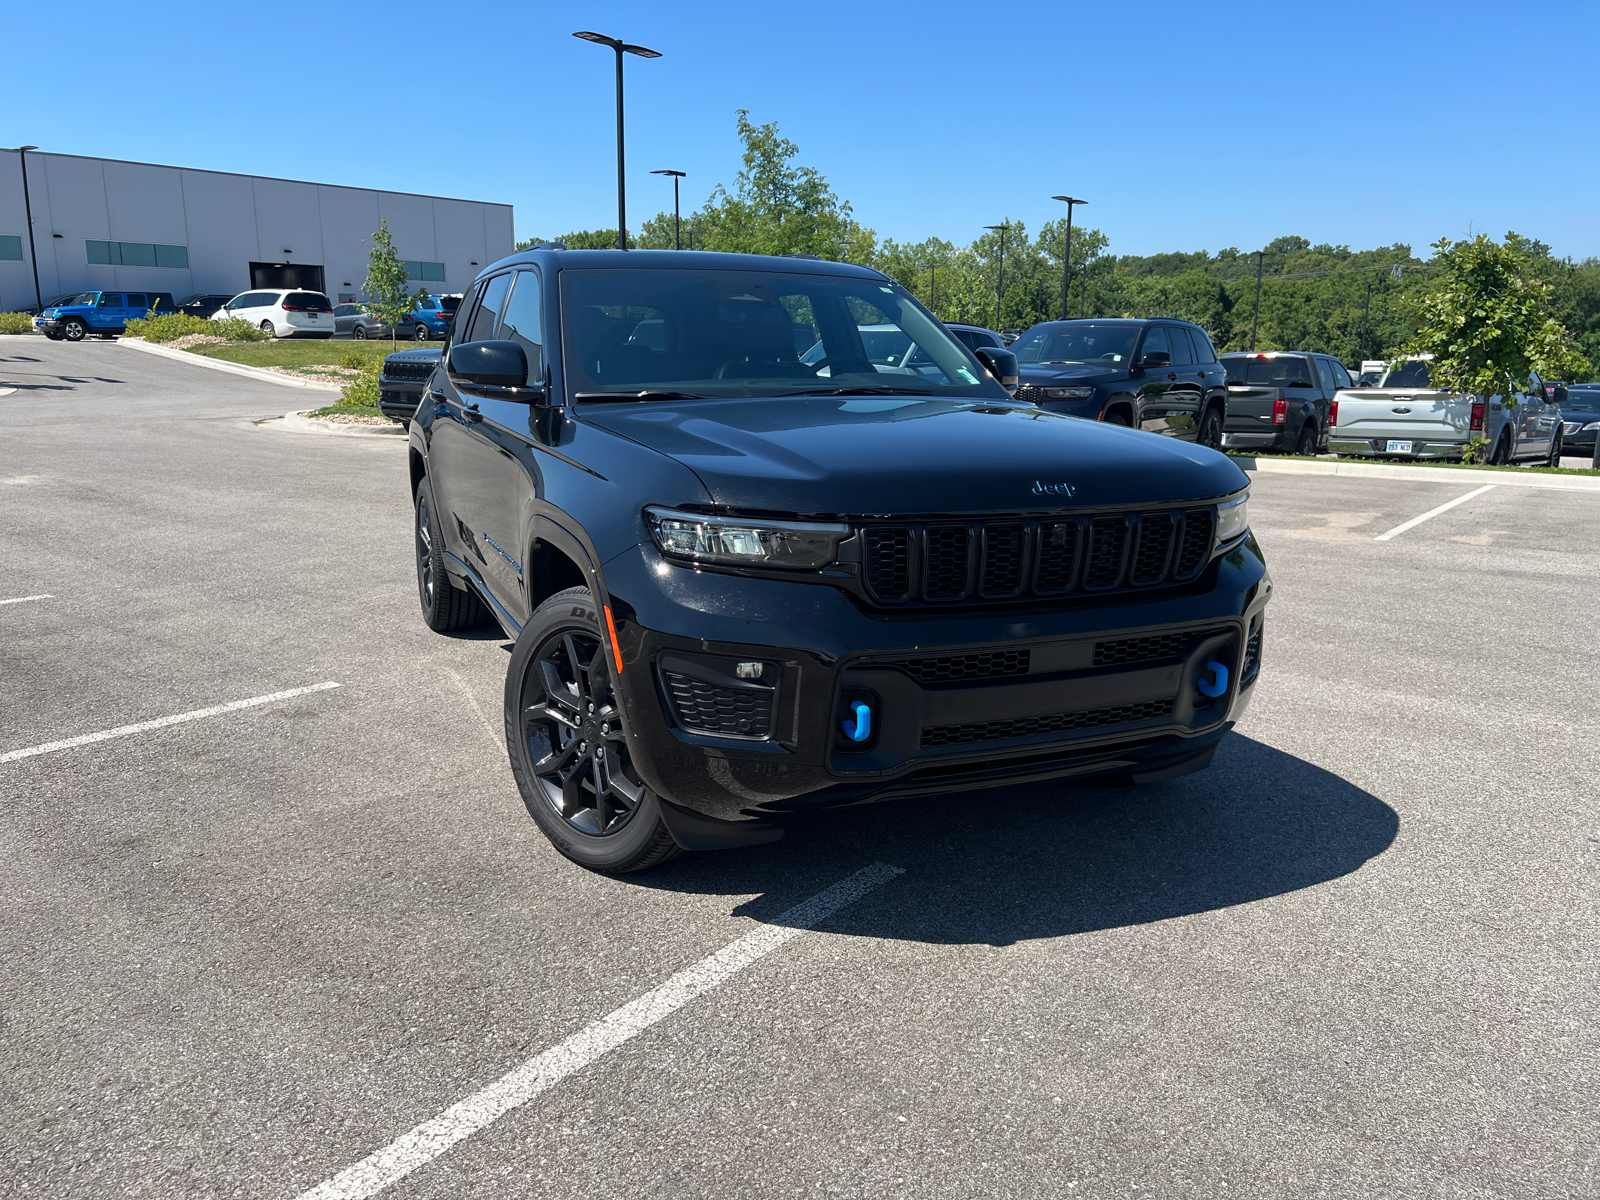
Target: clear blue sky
[(1187, 126)]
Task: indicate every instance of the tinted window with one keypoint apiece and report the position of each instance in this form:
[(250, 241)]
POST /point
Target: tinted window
[(1076, 342), (1155, 342), (494, 299), (1341, 377), (138, 254), (110, 299), (1410, 374), (138, 300), (311, 301), (1325, 375), (1283, 370), (447, 304), (966, 337), (344, 310), (1178, 339), (1204, 353), (521, 322)]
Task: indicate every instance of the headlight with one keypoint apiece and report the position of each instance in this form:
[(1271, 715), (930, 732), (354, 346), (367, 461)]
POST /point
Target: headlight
[(1071, 393), (738, 542), (1592, 426), (1233, 518)]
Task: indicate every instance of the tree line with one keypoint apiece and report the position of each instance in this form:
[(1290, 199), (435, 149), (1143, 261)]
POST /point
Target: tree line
[(1353, 304)]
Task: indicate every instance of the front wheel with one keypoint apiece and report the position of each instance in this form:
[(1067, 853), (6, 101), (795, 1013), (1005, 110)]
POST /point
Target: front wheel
[(74, 330), (568, 752), (1210, 429), (1118, 416)]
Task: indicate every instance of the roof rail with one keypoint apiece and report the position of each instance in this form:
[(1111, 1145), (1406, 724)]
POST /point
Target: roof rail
[(813, 257), (547, 246)]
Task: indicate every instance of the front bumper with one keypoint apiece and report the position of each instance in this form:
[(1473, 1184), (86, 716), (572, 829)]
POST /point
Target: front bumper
[(44, 325), (1252, 439), (1378, 448), (1051, 711), (399, 399)]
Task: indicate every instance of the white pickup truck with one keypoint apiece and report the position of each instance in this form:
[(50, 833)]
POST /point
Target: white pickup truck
[(1402, 417)]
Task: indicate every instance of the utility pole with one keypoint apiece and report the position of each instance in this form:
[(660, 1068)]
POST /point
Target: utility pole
[(933, 290), (621, 48), (1257, 317), (27, 210), (677, 235), (1066, 259), (1365, 309), (1000, 295)]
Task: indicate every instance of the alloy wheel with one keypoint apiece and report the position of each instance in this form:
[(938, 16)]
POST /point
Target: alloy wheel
[(573, 733)]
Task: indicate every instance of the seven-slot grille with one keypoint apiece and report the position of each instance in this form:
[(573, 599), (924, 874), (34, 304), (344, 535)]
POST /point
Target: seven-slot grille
[(945, 562), (401, 368)]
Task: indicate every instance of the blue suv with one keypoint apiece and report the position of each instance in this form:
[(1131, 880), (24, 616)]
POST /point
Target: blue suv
[(433, 315), (104, 314)]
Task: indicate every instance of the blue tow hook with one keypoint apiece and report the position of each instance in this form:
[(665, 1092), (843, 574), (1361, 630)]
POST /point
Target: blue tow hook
[(862, 729), (1215, 687)]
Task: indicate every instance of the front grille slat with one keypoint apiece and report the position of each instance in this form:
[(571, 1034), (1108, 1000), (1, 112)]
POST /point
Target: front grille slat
[(1024, 558), (994, 731)]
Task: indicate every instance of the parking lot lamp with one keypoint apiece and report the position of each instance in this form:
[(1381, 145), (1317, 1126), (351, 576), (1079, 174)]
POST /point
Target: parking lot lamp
[(1066, 259), (1257, 317), (621, 48), (1000, 292), (27, 210), (677, 234), (1365, 309)]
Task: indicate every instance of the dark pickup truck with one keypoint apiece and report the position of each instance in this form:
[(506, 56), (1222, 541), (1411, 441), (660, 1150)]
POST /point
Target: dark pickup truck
[(1281, 400), (746, 580)]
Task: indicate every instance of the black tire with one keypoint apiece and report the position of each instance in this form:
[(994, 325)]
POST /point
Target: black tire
[(1306, 444), (1555, 450), (420, 332), (1210, 431), (359, 333), (54, 337), (74, 330), (1118, 416), (565, 739), (446, 606), (1502, 452)]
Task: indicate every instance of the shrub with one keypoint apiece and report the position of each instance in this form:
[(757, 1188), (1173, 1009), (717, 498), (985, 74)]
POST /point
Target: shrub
[(363, 389), (15, 322), (355, 360), (168, 327)]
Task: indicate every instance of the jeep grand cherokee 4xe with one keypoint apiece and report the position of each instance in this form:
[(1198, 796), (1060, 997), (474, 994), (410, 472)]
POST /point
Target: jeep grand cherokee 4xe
[(746, 580)]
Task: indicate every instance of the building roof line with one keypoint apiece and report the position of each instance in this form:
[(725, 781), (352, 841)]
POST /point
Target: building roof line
[(275, 178)]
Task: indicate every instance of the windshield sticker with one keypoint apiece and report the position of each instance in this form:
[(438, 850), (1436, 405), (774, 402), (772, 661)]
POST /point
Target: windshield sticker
[(967, 375)]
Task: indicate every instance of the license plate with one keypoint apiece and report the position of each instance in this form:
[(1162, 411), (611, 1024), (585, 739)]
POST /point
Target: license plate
[(1398, 448)]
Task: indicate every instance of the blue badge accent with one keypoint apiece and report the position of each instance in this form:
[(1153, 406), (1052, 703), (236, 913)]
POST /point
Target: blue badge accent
[(1215, 688), (862, 729)]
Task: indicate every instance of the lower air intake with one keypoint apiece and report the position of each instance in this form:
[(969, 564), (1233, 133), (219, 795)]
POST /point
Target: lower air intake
[(702, 707), (995, 731)]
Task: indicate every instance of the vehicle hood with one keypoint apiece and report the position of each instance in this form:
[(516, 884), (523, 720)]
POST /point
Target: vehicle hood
[(1046, 374), (430, 354), (874, 456)]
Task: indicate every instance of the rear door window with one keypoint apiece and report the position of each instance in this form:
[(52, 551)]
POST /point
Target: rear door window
[(1203, 350), (1341, 377), (1325, 376), (1178, 339), (139, 301)]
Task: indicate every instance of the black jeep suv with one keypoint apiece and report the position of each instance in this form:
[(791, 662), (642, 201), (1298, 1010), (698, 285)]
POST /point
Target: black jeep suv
[(1162, 376), (747, 577)]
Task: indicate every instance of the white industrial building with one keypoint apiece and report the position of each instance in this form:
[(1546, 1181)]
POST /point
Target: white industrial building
[(107, 224)]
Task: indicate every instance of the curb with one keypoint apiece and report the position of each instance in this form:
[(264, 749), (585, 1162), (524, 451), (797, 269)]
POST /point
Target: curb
[(298, 422), (1291, 466), (217, 364)]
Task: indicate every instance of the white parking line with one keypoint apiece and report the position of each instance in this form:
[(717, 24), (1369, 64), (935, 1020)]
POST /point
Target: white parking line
[(432, 1138), (1432, 512), (25, 599), (198, 714)]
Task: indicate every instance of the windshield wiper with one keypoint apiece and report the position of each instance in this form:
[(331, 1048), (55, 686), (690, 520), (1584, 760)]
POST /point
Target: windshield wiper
[(647, 394)]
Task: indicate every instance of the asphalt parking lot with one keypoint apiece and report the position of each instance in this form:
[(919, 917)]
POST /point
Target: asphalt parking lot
[(244, 952)]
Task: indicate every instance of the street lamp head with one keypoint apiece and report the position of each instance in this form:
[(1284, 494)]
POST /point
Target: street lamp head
[(1069, 199), (602, 39), (23, 149), (677, 174), (641, 51), (1005, 225)]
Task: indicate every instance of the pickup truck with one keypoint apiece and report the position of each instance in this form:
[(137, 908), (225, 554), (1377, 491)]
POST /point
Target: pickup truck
[(1405, 418), (746, 582)]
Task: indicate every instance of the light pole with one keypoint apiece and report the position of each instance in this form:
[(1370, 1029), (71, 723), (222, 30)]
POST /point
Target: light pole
[(27, 210), (1066, 261), (620, 47), (1365, 309), (1000, 293), (677, 235), (933, 289), (1257, 317)]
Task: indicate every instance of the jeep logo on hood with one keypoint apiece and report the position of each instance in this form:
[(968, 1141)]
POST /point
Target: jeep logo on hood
[(1041, 488)]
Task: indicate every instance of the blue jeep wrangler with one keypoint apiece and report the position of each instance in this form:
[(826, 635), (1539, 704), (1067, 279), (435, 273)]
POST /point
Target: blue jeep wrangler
[(104, 314)]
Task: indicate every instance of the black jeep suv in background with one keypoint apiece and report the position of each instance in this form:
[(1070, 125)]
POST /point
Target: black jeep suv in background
[(747, 578), (1161, 376)]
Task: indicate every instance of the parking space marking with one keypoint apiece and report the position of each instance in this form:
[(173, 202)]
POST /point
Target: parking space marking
[(198, 714), (25, 599), (1432, 512), (461, 1120)]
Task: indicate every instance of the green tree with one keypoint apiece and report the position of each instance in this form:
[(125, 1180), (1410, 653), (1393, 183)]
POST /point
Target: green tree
[(582, 239), (388, 297), (1487, 319)]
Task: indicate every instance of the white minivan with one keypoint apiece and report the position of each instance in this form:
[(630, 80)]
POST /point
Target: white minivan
[(282, 312)]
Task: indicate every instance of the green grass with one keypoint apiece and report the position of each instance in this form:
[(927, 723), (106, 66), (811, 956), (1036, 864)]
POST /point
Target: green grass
[(296, 353), (347, 410), (1441, 466)]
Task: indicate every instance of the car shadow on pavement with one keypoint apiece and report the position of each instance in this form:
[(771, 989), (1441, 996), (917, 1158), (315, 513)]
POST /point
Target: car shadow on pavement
[(1012, 864)]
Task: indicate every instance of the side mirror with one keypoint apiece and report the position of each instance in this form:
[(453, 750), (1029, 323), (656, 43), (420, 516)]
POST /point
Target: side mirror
[(497, 369), (1002, 364), (1156, 358)]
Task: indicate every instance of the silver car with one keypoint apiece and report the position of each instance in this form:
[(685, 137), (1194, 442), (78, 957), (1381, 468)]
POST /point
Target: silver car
[(356, 322)]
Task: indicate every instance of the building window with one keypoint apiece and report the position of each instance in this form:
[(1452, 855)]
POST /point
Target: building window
[(138, 254), (11, 247), (425, 271)]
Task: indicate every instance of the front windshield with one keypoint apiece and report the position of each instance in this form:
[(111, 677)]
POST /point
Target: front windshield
[(82, 298), (756, 333), (1077, 342), (1412, 373)]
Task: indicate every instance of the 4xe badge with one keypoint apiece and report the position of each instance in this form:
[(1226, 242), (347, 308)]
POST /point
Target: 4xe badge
[(1040, 488)]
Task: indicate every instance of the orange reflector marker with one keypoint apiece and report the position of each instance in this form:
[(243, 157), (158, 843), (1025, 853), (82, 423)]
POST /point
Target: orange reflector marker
[(616, 650)]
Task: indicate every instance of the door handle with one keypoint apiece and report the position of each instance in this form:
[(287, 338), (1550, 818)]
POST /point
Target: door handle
[(469, 410)]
